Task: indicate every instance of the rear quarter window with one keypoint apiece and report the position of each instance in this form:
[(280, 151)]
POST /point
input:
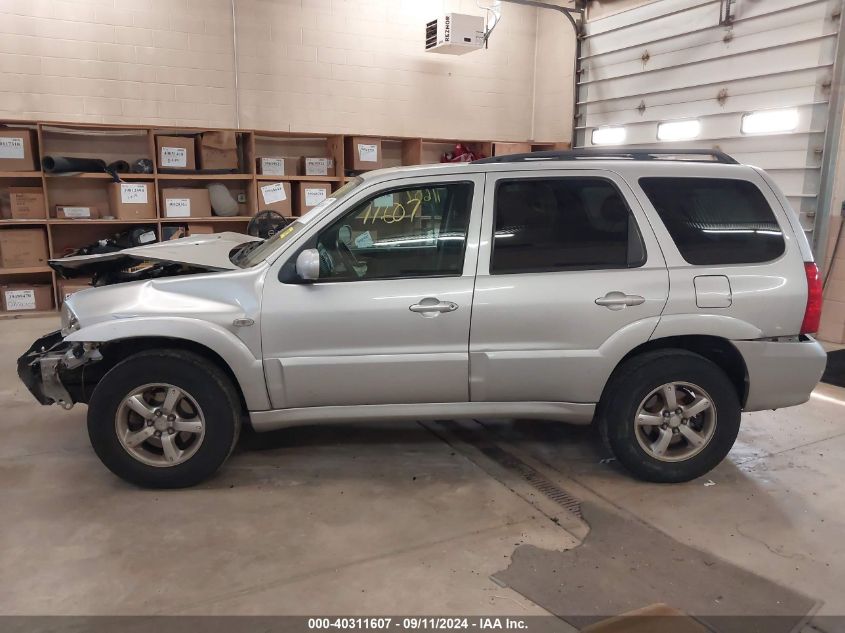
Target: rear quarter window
[(716, 221)]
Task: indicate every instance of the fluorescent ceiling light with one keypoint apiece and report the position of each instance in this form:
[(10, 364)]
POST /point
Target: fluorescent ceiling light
[(609, 135), (678, 130), (770, 121)]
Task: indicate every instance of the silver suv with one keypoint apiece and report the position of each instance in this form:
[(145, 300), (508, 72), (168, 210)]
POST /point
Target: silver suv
[(658, 295)]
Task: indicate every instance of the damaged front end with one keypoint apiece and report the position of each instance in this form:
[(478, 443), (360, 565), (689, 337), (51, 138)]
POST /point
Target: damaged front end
[(52, 369)]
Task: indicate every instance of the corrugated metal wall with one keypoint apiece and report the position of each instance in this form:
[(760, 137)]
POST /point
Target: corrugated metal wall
[(672, 60)]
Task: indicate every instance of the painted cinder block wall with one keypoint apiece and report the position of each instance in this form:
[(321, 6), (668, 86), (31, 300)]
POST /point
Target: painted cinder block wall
[(327, 65)]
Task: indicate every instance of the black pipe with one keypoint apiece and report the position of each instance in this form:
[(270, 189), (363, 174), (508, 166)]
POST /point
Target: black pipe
[(65, 164)]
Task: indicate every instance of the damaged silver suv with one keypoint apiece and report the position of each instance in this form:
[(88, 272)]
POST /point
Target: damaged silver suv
[(658, 295)]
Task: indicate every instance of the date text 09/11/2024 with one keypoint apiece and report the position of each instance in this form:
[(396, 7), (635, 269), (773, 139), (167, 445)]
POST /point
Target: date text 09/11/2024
[(417, 623)]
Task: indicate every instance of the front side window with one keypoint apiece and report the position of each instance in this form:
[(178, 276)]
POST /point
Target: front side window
[(716, 220), (418, 231), (572, 223)]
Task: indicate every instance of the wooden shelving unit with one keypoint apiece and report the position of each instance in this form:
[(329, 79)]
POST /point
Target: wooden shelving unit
[(130, 143)]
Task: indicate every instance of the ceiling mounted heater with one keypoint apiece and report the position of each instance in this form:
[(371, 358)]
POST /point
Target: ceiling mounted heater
[(454, 34)]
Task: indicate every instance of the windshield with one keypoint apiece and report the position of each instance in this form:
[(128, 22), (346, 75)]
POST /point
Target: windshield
[(253, 253)]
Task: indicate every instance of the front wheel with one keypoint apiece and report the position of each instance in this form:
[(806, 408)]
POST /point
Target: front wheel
[(670, 416), (164, 419)]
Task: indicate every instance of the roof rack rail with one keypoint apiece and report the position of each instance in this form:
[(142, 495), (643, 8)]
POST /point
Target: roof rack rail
[(632, 154)]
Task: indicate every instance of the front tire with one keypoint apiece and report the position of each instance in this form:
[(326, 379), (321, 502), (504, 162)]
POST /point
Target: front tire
[(164, 419), (670, 416)]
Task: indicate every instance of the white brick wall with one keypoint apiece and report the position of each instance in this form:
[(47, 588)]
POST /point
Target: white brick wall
[(553, 77), (328, 65), (360, 65), (117, 61)]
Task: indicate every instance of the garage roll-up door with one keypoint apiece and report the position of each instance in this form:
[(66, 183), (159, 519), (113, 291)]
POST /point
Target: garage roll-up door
[(677, 60)]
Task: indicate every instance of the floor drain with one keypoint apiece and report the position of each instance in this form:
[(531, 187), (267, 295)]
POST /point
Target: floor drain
[(534, 478)]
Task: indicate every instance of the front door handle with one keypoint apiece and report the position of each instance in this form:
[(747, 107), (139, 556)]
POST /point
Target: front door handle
[(617, 300), (431, 306)]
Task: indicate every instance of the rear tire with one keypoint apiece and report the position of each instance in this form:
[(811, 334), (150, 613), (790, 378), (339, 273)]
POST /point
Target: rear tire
[(164, 419), (670, 416)]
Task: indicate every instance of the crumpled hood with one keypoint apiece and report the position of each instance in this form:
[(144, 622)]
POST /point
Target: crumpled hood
[(210, 252)]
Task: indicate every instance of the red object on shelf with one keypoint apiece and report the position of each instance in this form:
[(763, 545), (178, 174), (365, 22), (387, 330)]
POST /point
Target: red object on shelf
[(461, 154)]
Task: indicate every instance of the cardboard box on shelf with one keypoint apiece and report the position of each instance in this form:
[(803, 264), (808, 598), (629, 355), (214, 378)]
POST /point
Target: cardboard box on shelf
[(132, 200), (278, 166), (218, 150), (200, 229), (275, 196), (68, 286), (23, 248), (77, 212), (312, 166), (16, 149), (176, 152), (363, 153), (311, 194), (503, 149), (27, 203), (26, 297), (184, 202)]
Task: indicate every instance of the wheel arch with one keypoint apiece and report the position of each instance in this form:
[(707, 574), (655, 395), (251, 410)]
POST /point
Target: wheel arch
[(118, 340), (718, 350)]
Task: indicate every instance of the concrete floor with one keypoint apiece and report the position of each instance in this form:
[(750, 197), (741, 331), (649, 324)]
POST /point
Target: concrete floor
[(383, 518)]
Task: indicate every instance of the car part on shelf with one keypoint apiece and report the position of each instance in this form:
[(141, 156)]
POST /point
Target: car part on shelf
[(223, 202)]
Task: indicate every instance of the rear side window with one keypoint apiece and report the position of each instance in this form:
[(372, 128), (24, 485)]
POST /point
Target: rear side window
[(716, 220), (573, 223)]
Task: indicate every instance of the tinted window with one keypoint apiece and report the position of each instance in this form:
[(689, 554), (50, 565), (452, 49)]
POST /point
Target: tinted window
[(716, 220), (409, 232), (562, 224)]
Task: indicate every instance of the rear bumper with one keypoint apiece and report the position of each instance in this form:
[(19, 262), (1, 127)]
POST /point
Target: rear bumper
[(781, 373)]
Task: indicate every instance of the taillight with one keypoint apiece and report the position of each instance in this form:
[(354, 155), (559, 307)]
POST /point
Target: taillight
[(813, 312)]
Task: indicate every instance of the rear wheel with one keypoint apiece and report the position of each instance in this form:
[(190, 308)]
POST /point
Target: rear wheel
[(164, 419), (670, 416)]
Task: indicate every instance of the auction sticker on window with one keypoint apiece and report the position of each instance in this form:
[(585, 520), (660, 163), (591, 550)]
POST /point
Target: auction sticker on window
[(11, 147), (131, 193), (174, 157), (274, 193), (20, 299)]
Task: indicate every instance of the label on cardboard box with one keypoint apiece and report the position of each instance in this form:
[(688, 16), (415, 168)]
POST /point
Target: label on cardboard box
[(177, 207), (133, 193), (11, 147), (76, 212), (20, 299), (313, 197), (367, 153), (274, 193), (174, 157), (273, 166), (317, 166)]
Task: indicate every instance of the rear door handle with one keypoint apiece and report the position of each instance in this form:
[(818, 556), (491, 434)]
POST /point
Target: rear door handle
[(431, 306), (618, 300)]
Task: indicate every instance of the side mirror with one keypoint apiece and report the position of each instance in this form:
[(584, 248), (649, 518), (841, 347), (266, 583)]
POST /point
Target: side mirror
[(308, 264)]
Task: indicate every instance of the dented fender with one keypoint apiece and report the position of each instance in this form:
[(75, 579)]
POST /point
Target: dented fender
[(248, 370)]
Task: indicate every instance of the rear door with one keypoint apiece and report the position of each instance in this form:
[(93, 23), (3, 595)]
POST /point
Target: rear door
[(570, 278)]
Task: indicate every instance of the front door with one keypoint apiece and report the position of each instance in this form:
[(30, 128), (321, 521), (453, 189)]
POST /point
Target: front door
[(570, 278), (388, 320)]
